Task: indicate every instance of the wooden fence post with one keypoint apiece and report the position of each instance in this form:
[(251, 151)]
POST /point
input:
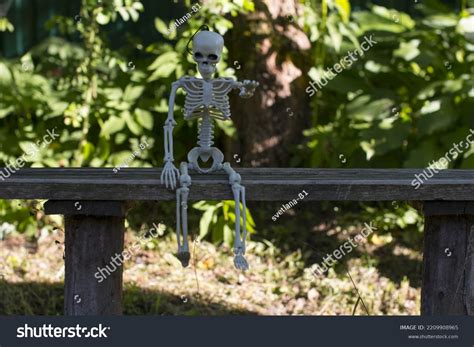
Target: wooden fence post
[(93, 265), (448, 260)]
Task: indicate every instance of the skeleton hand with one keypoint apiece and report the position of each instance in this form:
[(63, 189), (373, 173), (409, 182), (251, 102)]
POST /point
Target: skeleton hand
[(247, 88), (170, 174)]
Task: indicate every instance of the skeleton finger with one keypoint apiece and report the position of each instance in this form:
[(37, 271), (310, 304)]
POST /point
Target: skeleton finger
[(176, 174), (170, 179), (173, 179), (167, 178), (162, 176)]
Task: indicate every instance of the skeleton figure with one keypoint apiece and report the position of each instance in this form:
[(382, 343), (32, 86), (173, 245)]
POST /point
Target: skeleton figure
[(206, 99)]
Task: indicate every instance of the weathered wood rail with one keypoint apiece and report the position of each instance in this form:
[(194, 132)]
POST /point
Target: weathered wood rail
[(93, 202)]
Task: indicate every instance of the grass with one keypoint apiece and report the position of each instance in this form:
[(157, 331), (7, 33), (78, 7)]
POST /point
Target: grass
[(384, 271)]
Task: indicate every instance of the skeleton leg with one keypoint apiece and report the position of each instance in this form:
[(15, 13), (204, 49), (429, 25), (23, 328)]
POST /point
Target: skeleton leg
[(182, 215), (239, 195)]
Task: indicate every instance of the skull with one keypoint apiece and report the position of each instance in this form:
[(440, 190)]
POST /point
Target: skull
[(207, 52)]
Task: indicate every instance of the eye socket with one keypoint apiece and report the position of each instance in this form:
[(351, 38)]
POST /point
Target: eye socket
[(198, 55), (212, 56)]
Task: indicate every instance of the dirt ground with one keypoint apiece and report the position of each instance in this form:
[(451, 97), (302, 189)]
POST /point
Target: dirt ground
[(32, 275)]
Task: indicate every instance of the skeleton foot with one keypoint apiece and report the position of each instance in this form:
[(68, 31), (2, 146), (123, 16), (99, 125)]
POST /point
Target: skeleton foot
[(239, 195), (182, 215), (184, 258), (240, 263)]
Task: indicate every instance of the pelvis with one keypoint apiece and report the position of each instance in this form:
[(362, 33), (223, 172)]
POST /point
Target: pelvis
[(205, 154)]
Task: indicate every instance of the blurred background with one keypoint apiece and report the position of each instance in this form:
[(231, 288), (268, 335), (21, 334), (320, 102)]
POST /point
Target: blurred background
[(100, 71)]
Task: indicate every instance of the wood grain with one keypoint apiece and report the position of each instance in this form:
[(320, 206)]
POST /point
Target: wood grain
[(447, 260), (263, 184), (91, 242)]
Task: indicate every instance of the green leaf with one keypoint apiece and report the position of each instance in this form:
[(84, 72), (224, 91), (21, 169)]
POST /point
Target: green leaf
[(161, 27), (362, 109), (441, 21), (145, 118), (222, 25), (217, 235), (6, 111), (164, 70), (228, 235), (205, 222), (131, 124), (134, 14), (380, 141), (436, 116), (250, 222), (137, 5), (164, 58), (227, 127), (121, 158), (102, 18), (5, 75), (57, 107), (201, 205), (383, 20), (103, 148), (5, 25), (368, 148), (123, 13), (344, 7), (28, 147), (132, 93), (249, 5), (113, 125), (336, 37), (87, 151), (408, 50), (113, 93)]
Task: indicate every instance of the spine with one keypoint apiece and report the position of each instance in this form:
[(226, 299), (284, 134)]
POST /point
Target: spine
[(206, 132)]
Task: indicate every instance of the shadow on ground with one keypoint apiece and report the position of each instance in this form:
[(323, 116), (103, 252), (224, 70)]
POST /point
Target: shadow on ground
[(306, 227), (47, 299)]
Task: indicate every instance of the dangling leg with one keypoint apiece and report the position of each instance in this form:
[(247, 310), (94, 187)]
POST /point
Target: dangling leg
[(182, 214), (239, 195)]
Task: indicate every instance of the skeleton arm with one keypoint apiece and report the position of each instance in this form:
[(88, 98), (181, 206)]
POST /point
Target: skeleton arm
[(170, 172)]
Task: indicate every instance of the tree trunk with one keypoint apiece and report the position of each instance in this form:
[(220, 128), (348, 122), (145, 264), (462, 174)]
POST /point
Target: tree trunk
[(269, 47)]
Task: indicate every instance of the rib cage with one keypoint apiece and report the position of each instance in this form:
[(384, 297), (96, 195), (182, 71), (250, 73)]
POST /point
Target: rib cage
[(200, 97)]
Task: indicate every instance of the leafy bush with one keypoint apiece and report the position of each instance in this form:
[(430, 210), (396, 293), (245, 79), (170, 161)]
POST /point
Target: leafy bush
[(406, 101)]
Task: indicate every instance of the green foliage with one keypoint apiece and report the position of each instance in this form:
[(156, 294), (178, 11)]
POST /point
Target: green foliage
[(5, 25), (218, 221), (103, 102), (405, 101), (403, 104), (22, 216), (85, 90)]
